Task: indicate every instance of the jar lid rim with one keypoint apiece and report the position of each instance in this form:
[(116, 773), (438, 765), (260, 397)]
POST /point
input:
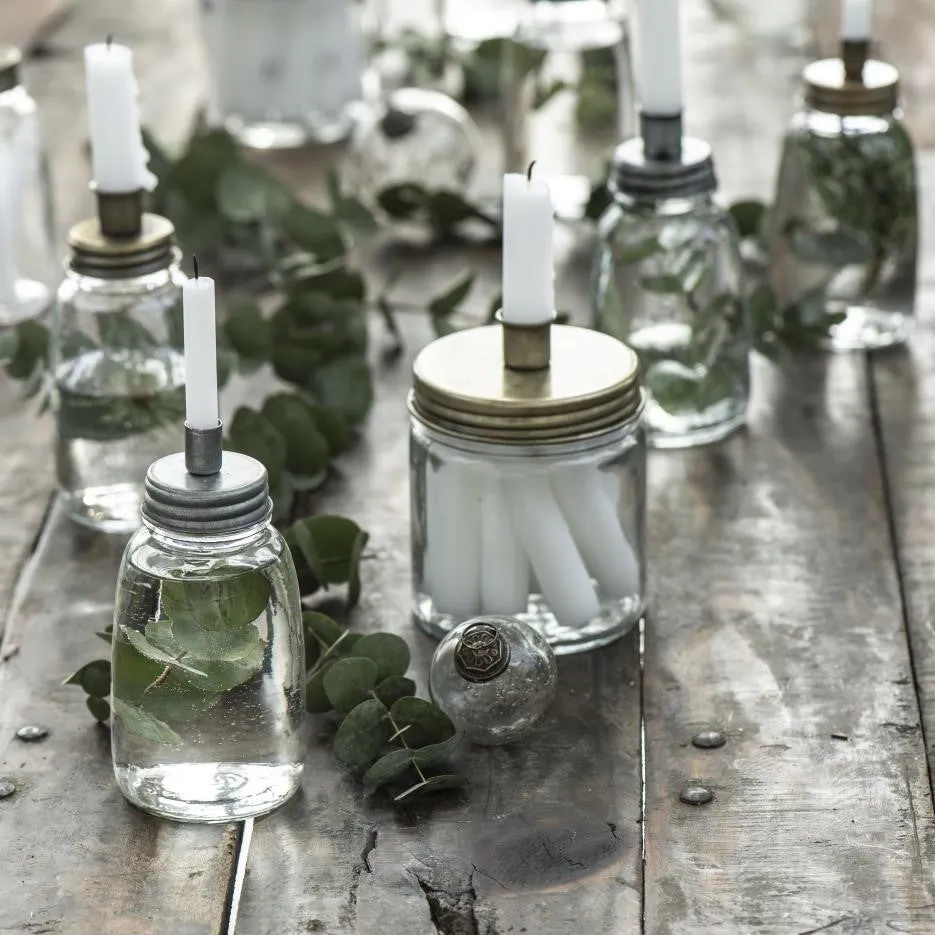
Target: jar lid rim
[(827, 88)]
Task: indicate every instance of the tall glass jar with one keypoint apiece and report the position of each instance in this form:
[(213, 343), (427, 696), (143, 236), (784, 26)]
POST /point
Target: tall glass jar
[(208, 674), (528, 487), (668, 281), (118, 375), (569, 64), (285, 72), (844, 230), (27, 227)]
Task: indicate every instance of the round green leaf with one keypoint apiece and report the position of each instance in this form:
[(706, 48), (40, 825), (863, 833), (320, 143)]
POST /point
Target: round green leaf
[(436, 754), (333, 426), (98, 707), (425, 722), (362, 735), (346, 646), (248, 331), (349, 681), (390, 690), (328, 545), (345, 385), (139, 721), (320, 629), (433, 784), (388, 651), (316, 701), (388, 768), (307, 450), (32, 341), (254, 435), (95, 678)]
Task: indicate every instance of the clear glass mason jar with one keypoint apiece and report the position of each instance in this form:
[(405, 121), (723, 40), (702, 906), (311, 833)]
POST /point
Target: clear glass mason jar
[(548, 531), (118, 389), (668, 281), (208, 673), (844, 228), (285, 72), (27, 227)]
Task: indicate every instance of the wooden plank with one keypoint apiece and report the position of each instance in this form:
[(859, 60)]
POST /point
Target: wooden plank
[(777, 618), (546, 838), (24, 23), (79, 858), (904, 386)]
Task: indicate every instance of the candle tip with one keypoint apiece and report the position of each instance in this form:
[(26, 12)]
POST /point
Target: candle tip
[(195, 264), (529, 171)]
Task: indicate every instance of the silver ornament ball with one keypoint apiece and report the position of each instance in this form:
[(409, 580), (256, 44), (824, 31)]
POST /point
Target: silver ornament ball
[(494, 677)]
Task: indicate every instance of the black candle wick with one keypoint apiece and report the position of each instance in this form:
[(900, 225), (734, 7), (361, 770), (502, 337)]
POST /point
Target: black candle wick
[(195, 264), (529, 171), (110, 39)]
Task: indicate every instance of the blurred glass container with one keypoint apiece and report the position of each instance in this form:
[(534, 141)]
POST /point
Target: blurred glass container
[(284, 72), (27, 227), (477, 20), (569, 66)]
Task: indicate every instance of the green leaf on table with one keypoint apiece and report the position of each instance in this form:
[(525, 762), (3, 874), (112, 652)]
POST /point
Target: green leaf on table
[(349, 210), (99, 707), (248, 331), (252, 434), (435, 754), (307, 451), (423, 722), (362, 735), (545, 92), (353, 576), (93, 677), (834, 248), (346, 385), (315, 232), (246, 194), (32, 343), (330, 546), (446, 210), (389, 652), (316, 701), (139, 721), (599, 200), (155, 654), (748, 217), (320, 629), (194, 175), (390, 767), (349, 681), (388, 314), (336, 282), (333, 426), (107, 634), (446, 303), (402, 202), (391, 689), (664, 284), (433, 784)]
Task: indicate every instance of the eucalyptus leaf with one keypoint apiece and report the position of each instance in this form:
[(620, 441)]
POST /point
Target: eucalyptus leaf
[(333, 426), (337, 282), (224, 603), (93, 677), (388, 768), (107, 634), (391, 689), (230, 644), (349, 681), (638, 250), (252, 434), (316, 700), (221, 676), (833, 248), (141, 722), (331, 542), (389, 652), (9, 342), (321, 629), (99, 707), (663, 284), (433, 784), (353, 574), (446, 210), (248, 331), (424, 722), (32, 343), (402, 202), (345, 385), (436, 754), (153, 653), (306, 448), (362, 735), (748, 217), (246, 193), (315, 232), (443, 305)]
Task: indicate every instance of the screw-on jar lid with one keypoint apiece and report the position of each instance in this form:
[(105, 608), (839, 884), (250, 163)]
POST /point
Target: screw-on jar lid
[(94, 254), (235, 498), (827, 88), (635, 174), (10, 60), (462, 387)]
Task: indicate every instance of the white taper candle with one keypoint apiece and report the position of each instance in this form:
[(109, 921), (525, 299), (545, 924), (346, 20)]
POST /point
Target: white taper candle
[(659, 57), (504, 567), (201, 368), (855, 20)]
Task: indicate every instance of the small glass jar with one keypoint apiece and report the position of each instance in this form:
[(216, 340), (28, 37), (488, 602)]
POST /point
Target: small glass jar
[(208, 674), (668, 281), (528, 487), (844, 230), (118, 372), (27, 226), (284, 72), (569, 65)]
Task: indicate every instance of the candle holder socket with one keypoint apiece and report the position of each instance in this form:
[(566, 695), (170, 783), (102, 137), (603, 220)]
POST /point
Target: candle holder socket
[(120, 214), (854, 55), (526, 347), (662, 163), (852, 85), (203, 450)]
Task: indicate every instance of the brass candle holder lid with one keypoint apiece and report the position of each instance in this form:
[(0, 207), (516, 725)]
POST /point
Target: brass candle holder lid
[(122, 241), (10, 60), (535, 384), (852, 85)]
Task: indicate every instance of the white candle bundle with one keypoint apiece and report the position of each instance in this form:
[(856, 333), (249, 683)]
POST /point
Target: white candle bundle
[(855, 20), (504, 576)]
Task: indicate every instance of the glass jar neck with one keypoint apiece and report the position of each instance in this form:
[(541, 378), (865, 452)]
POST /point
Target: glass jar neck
[(150, 282), (665, 207), (229, 541)]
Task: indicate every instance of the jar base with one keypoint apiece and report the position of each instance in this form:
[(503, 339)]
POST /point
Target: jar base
[(209, 793), (111, 509), (615, 620), (869, 329), (667, 431), (285, 134), (29, 300)]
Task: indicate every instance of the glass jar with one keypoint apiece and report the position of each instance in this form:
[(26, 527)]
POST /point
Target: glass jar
[(284, 72), (118, 388), (569, 65), (668, 281), (208, 674), (844, 230), (27, 227), (529, 504)]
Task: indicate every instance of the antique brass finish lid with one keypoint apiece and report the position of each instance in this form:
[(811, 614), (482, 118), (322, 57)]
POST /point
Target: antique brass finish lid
[(870, 90), (107, 257), (462, 387)]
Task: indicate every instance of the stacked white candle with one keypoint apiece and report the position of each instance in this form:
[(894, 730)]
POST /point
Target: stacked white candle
[(490, 537), (855, 20), (660, 57), (117, 153), (201, 370)]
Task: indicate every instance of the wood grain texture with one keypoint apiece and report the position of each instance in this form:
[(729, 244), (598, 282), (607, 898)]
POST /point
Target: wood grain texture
[(777, 617), (546, 838)]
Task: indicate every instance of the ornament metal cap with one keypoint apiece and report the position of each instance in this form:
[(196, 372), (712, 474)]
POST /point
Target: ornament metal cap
[(482, 652), (10, 60), (852, 85)]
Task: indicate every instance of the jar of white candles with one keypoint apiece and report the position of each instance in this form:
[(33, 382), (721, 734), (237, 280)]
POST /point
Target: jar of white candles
[(528, 482)]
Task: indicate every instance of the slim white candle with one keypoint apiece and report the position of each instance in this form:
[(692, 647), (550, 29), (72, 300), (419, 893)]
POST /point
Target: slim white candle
[(597, 532), (504, 567), (556, 562), (528, 269), (201, 369), (855, 20), (660, 57), (117, 152), (453, 539)]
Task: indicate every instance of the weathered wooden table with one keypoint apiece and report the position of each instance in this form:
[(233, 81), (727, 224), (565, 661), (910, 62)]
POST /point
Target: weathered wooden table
[(792, 581)]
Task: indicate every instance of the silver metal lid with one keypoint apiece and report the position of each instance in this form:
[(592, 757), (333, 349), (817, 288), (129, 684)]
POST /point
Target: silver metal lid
[(234, 498), (10, 60)]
